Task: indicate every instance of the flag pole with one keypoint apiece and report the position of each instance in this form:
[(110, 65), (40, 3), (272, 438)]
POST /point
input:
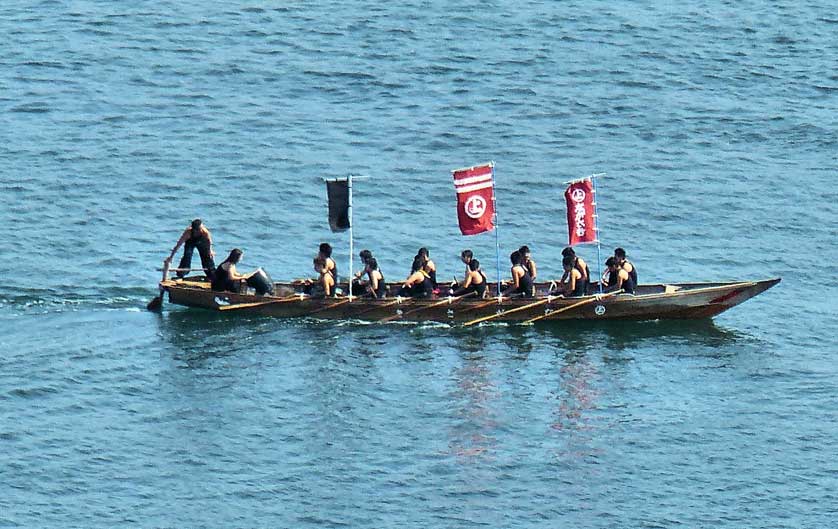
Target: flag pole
[(596, 228), (497, 231), (351, 240)]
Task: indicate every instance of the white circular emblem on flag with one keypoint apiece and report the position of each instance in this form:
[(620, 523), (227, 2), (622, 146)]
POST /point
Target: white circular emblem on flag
[(577, 195), (475, 206)]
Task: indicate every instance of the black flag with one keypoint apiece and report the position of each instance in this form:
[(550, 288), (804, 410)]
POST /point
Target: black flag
[(338, 191)]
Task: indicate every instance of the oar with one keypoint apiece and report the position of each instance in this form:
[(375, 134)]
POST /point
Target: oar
[(333, 305), (510, 311), (484, 304), (238, 306), (573, 306), (448, 300), (157, 303), (183, 269), (376, 307)]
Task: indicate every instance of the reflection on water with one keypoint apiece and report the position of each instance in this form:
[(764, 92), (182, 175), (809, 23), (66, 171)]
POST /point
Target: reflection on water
[(619, 335), (564, 380)]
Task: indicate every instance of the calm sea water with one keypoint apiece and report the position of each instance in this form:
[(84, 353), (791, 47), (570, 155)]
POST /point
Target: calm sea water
[(715, 121)]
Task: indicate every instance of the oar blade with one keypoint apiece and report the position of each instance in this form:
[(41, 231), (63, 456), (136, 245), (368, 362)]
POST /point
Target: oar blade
[(156, 304)]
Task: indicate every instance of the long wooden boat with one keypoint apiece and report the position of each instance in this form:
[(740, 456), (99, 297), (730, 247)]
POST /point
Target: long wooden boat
[(649, 302)]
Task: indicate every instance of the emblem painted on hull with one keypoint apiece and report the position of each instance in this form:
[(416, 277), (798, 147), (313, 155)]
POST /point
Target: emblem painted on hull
[(599, 310)]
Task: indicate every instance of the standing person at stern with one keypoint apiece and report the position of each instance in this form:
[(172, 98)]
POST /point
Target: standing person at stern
[(195, 236)]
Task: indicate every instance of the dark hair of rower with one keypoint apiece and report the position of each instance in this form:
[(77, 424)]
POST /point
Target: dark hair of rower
[(234, 257), (326, 249), (610, 262), (372, 263), (423, 252), (474, 265), (365, 256), (568, 262), (568, 252), (620, 253), (515, 257), (466, 254), (417, 265), (524, 250), (196, 224)]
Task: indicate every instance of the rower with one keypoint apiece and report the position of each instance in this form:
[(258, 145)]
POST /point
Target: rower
[(419, 283), (226, 277), (475, 281), (375, 287), (625, 264), (572, 283), (578, 264), (522, 284), (618, 278), (359, 286), (429, 265), (325, 251), (527, 262), (196, 236), (466, 256), (326, 279)]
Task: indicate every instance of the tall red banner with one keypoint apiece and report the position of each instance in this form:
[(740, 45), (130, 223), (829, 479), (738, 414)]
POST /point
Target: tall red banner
[(475, 188), (581, 223)]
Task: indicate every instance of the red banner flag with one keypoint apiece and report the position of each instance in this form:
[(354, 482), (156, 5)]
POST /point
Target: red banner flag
[(475, 188), (581, 224)]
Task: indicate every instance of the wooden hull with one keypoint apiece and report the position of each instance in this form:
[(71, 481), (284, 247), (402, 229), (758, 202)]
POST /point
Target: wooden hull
[(651, 302)]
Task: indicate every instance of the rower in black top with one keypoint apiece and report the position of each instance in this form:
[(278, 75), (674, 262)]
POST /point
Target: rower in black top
[(618, 278), (475, 281), (625, 264), (375, 287), (196, 236), (527, 262), (418, 284), (522, 283), (226, 277), (429, 265), (331, 266), (578, 264), (573, 285)]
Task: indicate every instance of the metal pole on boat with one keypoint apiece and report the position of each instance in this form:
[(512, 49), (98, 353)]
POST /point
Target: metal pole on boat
[(596, 228), (497, 234), (351, 249)]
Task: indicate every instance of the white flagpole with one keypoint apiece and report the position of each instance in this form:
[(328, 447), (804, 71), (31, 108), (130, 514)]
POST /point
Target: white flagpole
[(596, 229), (497, 230), (351, 249)]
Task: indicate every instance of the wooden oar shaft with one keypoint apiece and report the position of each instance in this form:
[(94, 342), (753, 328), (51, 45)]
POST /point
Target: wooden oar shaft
[(572, 306), (331, 306), (376, 307), (510, 311), (481, 305), (448, 300), (239, 306)]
